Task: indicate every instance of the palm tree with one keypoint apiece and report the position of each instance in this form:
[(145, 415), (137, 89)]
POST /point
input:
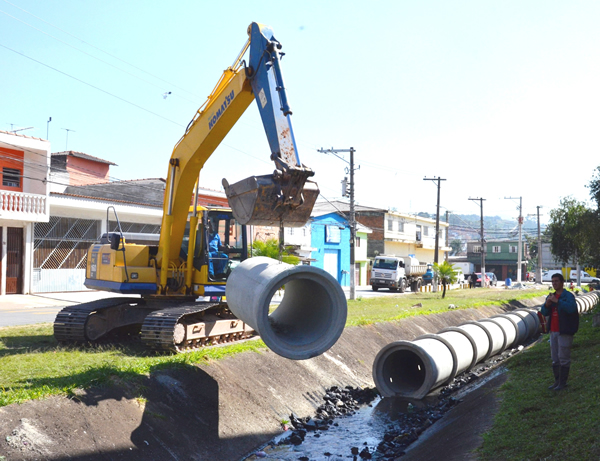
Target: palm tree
[(270, 248), (446, 273)]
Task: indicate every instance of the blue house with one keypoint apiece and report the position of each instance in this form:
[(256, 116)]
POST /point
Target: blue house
[(330, 235)]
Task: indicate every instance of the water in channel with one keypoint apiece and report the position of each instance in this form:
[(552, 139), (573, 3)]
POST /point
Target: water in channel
[(380, 430)]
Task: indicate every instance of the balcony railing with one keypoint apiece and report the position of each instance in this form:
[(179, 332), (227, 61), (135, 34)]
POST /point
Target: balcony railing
[(23, 206)]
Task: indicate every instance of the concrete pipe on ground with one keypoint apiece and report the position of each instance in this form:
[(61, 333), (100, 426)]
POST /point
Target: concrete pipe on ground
[(412, 369), (509, 327), (482, 338), (585, 302), (309, 319), (531, 320)]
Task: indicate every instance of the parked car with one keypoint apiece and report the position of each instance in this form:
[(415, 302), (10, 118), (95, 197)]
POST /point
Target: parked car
[(547, 275), (493, 279), (478, 283), (585, 277)]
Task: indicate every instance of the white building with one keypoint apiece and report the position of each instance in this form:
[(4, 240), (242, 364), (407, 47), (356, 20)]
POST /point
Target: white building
[(24, 190)]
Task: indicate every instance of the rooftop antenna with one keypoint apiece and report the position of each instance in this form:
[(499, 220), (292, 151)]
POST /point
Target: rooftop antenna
[(13, 130), (48, 127), (67, 142)]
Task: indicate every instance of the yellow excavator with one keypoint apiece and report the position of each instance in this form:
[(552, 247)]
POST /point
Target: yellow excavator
[(199, 246)]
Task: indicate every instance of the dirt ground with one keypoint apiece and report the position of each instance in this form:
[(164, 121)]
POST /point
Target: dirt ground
[(226, 409)]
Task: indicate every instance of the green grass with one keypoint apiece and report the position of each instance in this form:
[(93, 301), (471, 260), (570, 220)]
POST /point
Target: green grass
[(380, 309), (33, 365), (534, 423)]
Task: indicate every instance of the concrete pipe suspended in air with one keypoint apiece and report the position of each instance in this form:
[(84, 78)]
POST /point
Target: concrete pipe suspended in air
[(309, 319), (412, 369)]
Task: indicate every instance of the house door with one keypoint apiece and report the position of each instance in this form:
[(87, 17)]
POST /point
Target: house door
[(330, 263), (14, 261)]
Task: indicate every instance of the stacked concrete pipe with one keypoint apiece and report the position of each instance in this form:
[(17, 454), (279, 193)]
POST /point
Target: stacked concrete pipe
[(587, 301), (412, 369), (309, 319)]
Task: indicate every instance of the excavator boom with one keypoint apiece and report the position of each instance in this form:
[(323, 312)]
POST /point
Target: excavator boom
[(284, 198)]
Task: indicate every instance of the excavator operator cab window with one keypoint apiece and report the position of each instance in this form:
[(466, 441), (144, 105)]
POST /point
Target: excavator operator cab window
[(225, 244), (220, 244)]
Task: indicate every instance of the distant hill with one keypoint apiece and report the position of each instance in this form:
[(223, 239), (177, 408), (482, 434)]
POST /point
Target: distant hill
[(467, 227)]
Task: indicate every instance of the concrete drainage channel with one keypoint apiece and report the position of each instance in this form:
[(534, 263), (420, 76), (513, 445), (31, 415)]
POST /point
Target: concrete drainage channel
[(354, 423), (358, 424)]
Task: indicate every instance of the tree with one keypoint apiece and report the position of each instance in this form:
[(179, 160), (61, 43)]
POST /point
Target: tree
[(446, 273), (594, 187), (571, 231), (457, 246), (270, 248)]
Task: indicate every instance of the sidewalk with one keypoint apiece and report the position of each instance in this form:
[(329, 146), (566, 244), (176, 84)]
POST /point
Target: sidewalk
[(31, 309)]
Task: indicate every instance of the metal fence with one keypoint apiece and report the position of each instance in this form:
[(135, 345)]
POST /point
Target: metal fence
[(60, 251)]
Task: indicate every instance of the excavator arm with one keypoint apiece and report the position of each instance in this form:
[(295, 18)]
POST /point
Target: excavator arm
[(286, 197)]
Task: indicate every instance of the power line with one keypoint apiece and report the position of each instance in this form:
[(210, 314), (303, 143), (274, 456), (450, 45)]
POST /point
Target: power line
[(90, 85), (97, 48)]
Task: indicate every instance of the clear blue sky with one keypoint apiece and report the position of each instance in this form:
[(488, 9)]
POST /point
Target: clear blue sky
[(499, 98)]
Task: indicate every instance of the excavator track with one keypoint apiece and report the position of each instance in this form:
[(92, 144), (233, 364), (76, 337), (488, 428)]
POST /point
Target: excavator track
[(184, 327), (70, 322), (193, 326)]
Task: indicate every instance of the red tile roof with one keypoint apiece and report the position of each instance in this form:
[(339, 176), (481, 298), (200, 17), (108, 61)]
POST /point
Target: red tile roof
[(82, 155)]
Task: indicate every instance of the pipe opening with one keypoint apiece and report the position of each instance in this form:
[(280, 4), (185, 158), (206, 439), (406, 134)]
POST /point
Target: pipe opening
[(304, 315), (404, 372)]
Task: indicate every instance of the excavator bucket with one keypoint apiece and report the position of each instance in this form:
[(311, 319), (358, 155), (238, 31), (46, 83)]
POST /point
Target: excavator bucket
[(271, 200)]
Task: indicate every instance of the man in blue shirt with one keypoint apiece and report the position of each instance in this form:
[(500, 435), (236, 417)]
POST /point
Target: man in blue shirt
[(217, 260)]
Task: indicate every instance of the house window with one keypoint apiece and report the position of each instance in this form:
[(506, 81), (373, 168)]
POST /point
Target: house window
[(332, 235), (291, 231), (390, 224), (425, 230), (512, 248), (357, 241), (11, 177), (476, 249), (496, 249), (400, 226)]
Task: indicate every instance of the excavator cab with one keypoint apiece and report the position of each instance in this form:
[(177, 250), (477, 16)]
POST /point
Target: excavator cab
[(221, 244)]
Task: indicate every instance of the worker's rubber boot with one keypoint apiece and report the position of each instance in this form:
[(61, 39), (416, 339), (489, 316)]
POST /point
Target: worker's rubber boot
[(562, 380), (556, 370)]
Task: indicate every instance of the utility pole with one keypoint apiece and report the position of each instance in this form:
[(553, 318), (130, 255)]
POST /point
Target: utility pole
[(437, 217), (538, 270), (520, 249), (447, 234), (352, 216), (538, 274), (482, 241)]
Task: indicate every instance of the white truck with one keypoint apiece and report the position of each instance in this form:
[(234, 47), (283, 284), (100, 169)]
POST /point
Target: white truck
[(466, 269), (397, 273)]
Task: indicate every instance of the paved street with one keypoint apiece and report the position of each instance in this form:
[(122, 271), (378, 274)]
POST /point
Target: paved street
[(18, 310), (31, 309)]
